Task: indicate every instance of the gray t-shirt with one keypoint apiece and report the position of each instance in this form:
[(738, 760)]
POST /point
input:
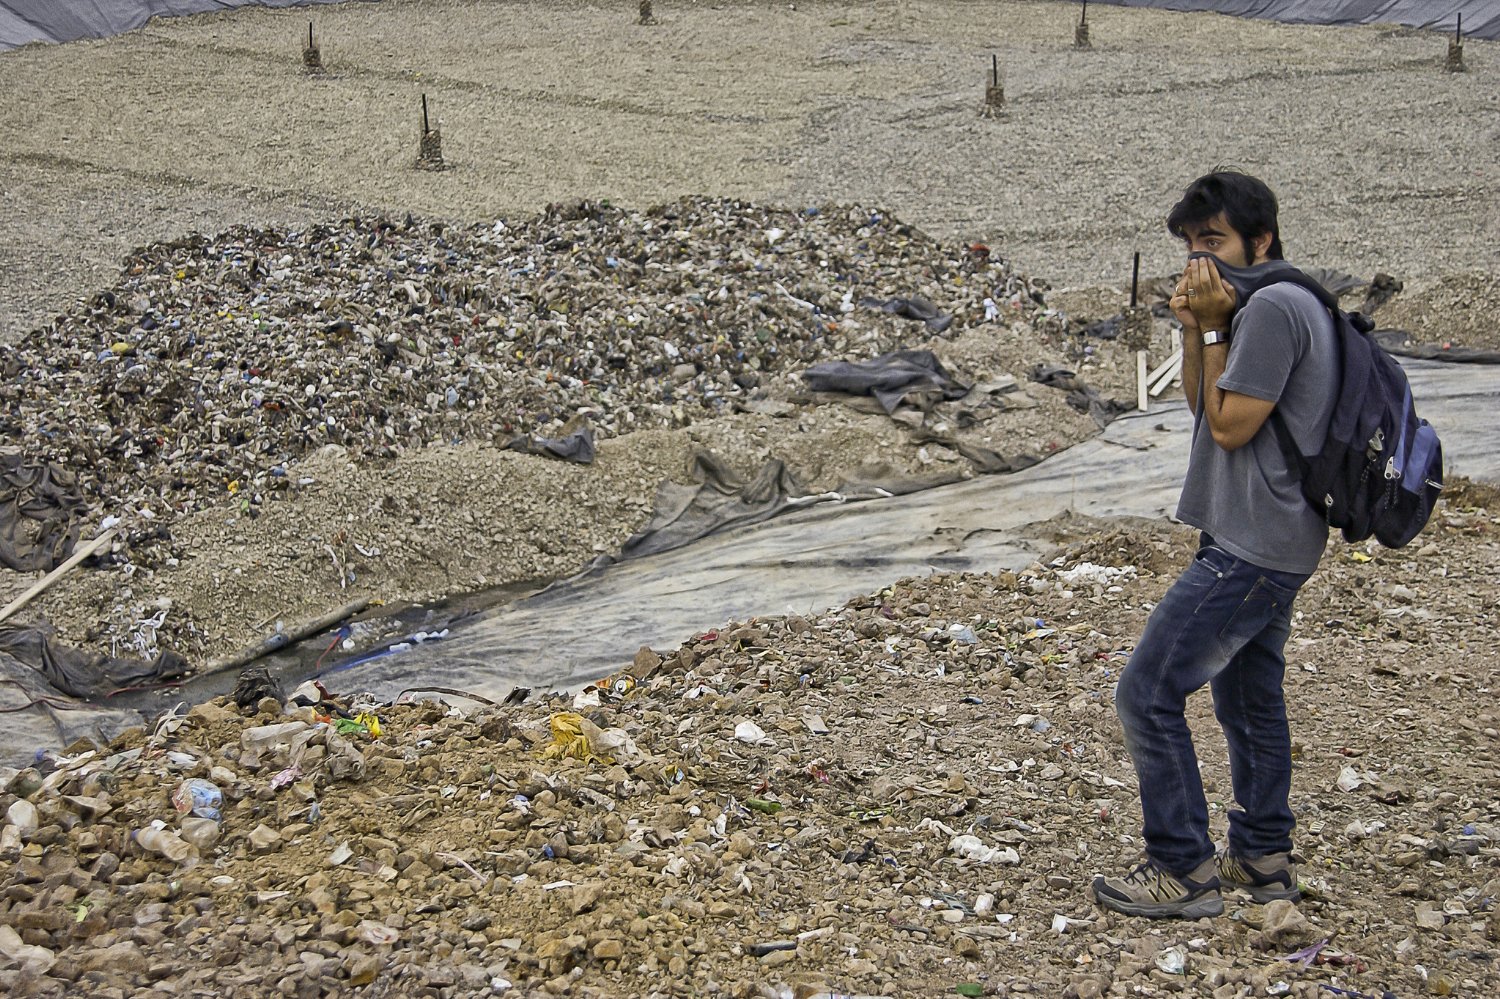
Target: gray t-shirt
[(1282, 350)]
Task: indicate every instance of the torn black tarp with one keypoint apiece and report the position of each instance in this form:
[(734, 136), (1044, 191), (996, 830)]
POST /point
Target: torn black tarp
[(984, 460), (914, 307), (577, 447), (717, 500), (1080, 396), (1400, 343), (85, 674), (1381, 290), (40, 513), (1105, 329), (890, 378), (1337, 282), (38, 718)]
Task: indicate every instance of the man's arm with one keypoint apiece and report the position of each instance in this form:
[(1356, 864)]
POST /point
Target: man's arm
[(1233, 418)]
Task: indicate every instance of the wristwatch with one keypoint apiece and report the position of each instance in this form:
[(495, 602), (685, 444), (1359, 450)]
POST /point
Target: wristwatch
[(1211, 337)]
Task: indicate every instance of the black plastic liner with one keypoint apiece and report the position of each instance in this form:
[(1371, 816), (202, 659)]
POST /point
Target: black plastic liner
[(1481, 17)]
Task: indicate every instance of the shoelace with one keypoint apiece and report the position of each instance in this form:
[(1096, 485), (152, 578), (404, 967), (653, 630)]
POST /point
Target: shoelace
[(1160, 885), (1238, 870)]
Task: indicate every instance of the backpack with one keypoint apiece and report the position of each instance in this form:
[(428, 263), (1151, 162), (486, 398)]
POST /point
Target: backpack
[(1380, 468)]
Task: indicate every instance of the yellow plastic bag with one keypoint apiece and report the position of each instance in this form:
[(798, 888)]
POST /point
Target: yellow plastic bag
[(569, 738)]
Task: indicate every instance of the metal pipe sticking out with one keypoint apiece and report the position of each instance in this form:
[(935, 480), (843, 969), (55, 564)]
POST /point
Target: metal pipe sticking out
[(1085, 18), (1135, 279), (1455, 63), (994, 94), (312, 59), (430, 148)]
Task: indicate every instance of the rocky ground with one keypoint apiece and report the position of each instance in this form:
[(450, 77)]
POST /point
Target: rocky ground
[(717, 820), (294, 394)]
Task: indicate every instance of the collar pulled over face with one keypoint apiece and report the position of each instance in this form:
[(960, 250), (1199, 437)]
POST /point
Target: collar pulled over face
[(1246, 281)]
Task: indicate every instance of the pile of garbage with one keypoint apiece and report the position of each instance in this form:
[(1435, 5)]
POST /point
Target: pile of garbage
[(1457, 311), (217, 361), (906, 795)]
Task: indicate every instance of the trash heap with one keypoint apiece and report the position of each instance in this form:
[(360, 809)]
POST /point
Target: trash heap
[(217, 361), (1457, 311), (905, 796)]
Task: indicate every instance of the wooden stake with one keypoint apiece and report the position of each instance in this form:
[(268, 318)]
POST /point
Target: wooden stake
[(80, 552), (1172, 374), (312, 59), (1142, 397), (1156, 372)]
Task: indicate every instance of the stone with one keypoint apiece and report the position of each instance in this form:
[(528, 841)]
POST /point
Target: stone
[(122, 958), (362, 968), (1284, 926), (264, 839), (23, 815)]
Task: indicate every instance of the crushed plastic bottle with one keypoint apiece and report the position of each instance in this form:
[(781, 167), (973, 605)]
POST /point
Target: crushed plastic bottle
[(164, 842), (199, 797), (200, 833)]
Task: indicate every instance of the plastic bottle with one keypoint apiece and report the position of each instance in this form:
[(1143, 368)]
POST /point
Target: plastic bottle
[(164, 842), (198, 796), (200, 833)]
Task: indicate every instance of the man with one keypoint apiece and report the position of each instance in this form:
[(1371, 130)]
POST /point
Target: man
[(1226, 619)]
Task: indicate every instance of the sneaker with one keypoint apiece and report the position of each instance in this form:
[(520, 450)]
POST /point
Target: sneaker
[(1266, 879), (1150, 891)]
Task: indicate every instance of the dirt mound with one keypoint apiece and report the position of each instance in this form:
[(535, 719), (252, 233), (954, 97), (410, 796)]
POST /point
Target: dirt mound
[(300, 418), (1460, 310)]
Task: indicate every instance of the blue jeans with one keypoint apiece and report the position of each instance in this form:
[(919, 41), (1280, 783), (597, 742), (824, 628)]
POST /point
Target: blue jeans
[(1224, 622)]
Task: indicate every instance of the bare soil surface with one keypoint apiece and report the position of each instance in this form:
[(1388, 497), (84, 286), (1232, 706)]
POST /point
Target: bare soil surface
[(475, 865), (1380, 157)]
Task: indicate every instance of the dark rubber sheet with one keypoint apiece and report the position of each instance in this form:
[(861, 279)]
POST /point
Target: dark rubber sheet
[(40, 509), (23, 21), (1481, 17), (581, 629)]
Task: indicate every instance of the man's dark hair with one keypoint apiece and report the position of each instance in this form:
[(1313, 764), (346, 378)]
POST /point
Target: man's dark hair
[(1247, 203)]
